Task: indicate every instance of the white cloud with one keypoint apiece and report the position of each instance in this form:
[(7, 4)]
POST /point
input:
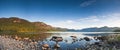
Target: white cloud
[(69, 21), (64, 24), (111, 20), (89, 19), (87, 3)]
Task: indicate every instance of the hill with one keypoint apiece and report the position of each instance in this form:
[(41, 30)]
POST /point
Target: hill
[(40, 26), (21, 25), (101, 29), (96, 29)]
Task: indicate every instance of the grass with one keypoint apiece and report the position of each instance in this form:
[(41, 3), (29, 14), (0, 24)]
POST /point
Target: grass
[(31, 35)]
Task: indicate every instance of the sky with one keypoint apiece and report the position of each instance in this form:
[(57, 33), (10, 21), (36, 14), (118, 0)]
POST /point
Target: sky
[(72, 14)]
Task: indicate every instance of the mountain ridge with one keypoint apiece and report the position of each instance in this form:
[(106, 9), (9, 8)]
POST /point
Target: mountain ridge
[(21, 25), (96, 29)]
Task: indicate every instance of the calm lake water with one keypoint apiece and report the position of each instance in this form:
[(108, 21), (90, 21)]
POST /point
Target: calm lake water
[(69, 44)]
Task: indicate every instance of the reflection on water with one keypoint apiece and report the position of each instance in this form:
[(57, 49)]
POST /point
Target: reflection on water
[(67, 36), (68, 43)]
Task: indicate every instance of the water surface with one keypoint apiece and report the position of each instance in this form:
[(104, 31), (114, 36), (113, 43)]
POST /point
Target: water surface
[(69, 44)]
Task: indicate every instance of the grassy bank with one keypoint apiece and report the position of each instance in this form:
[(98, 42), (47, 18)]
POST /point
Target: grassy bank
[(30, 35)]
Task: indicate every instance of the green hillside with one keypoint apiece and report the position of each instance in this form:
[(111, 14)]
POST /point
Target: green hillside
[(15, 24)]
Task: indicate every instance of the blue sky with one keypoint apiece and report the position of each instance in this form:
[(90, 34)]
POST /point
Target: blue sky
[(74, 14)]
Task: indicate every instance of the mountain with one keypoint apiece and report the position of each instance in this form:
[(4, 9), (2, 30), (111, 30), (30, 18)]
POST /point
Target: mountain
[(101, 29), (43, 27), (21, 25), (96, 29)]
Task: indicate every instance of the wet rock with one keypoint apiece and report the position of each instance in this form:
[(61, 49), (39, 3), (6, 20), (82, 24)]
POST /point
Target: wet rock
[(86, 38)]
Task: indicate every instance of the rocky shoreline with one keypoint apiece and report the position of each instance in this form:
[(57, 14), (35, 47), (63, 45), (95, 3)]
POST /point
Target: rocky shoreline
[(110, 42), (7, 43)]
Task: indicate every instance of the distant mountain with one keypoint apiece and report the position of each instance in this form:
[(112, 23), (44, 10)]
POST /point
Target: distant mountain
[(96, 29), (101, 29), (22, 25)]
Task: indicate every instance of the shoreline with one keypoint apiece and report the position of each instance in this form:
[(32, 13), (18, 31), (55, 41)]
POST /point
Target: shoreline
[(12, 44), (9, 43)]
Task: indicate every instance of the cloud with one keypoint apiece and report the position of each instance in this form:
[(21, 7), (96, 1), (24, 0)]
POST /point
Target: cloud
[(87, 3), (69, 21), (63, 24), (89, 19), (111, 20)]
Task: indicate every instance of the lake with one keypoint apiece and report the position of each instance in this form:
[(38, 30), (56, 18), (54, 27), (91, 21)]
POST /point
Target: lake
[(73, 40)]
